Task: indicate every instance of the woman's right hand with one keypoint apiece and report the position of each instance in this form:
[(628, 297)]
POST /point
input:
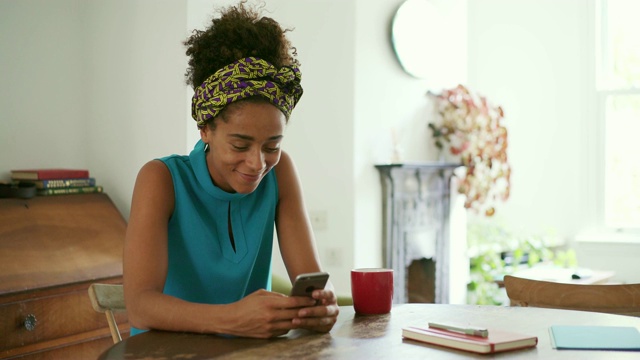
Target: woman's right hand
[(264, 314)]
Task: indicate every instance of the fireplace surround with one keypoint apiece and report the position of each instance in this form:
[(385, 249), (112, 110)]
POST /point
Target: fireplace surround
[(424, 232)]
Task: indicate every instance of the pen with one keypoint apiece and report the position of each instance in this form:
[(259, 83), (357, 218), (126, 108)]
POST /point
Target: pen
[(468, 330)]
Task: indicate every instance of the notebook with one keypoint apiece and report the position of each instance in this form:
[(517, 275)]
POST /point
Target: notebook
[(497, 341), (595, 337)]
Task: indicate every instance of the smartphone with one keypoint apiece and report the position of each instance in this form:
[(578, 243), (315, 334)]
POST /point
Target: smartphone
[(306, 283)]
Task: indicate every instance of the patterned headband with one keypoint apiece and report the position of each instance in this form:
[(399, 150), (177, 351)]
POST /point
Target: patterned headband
[(242, 79)]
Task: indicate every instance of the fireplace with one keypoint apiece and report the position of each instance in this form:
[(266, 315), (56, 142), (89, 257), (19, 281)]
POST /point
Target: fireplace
[(424, 232)]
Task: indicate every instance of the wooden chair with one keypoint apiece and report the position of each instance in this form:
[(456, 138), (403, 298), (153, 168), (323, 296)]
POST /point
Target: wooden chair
[(622, 299), (107, 299)]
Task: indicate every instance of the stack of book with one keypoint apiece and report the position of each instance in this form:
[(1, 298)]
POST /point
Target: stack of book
[(469, 338), (58, 181)]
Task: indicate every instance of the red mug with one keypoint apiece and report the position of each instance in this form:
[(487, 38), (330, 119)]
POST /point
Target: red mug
[(372, 290)]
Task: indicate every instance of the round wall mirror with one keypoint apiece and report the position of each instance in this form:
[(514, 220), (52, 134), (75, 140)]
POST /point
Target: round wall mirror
[(421, 38)]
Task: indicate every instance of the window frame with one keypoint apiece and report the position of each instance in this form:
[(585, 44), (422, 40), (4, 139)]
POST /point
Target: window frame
[(596, 134)]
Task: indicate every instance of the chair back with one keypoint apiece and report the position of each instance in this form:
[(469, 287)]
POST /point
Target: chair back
[(108, 298), (622, 299)]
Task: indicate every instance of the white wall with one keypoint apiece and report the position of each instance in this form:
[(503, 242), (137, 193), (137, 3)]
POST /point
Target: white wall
[(41, 79), (134, 88), (533, 62), (99, 84), (91, 84)]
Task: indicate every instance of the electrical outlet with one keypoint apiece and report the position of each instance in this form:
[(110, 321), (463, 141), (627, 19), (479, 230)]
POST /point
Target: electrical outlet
[(319, 220), (333, 257)]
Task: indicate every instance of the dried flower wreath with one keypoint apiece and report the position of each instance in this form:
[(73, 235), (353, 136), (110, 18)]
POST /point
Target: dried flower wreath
[(468, 126)]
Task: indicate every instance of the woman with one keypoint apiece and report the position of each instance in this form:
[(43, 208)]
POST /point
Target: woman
[(199, 239)]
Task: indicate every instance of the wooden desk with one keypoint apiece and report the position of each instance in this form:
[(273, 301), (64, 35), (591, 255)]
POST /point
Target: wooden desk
[(377, 337), (558, 274), (563, 275), (51, 249)]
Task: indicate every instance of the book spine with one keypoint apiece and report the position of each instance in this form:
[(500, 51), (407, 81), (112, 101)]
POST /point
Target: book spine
[(70, 190), (49, 174), (62, 174), (63, 183)]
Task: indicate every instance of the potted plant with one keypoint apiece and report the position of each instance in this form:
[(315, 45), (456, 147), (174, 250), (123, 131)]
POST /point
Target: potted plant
[(467, 126)]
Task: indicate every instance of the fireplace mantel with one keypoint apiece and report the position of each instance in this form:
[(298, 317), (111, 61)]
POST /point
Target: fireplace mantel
[(416, 222)]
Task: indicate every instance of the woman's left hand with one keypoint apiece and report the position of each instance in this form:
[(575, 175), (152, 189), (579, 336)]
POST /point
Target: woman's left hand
[(321, 317)]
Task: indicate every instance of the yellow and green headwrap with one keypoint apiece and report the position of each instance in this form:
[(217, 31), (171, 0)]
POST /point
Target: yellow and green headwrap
[(242, 79)]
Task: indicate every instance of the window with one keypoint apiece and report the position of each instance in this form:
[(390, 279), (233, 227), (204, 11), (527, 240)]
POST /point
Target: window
[(618, 102)]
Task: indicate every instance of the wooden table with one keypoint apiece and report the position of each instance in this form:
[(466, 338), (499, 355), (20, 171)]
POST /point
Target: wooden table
[(378, 337)]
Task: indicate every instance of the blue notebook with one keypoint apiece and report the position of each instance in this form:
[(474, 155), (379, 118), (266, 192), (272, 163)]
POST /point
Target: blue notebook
[(595, 337)]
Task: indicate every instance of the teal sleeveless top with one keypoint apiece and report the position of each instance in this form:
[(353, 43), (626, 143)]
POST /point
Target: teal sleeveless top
[(204, 265)]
